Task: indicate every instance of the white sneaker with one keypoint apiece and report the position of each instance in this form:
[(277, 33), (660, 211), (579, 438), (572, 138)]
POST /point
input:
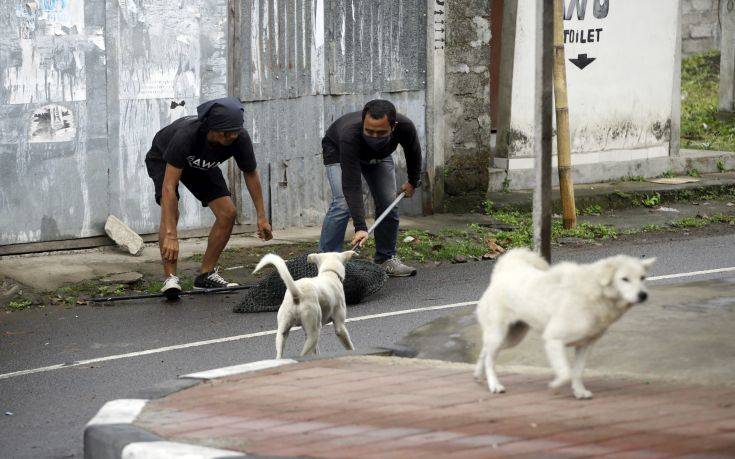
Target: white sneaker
[(171, 287), (394, 267)]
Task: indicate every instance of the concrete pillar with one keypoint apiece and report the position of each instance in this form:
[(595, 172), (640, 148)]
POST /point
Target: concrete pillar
[(435, 88), (727, 59)]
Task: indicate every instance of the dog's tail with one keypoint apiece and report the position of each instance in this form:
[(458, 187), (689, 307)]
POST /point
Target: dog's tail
[(280, 265), (525, 256)]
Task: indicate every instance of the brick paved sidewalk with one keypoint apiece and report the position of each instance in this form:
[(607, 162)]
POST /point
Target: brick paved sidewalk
[(383, 407)]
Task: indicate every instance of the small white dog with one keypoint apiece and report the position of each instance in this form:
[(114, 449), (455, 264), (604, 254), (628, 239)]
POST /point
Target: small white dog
[(570, 304), (313, 301)]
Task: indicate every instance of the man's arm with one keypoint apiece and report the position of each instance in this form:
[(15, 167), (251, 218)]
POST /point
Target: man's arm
[(252, 181), (167, 233)]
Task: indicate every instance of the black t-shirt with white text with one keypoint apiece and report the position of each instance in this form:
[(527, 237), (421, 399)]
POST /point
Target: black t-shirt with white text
[(183, 144)]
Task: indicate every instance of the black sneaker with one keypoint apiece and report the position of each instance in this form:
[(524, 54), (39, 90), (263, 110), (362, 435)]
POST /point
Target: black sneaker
[(212, 279)]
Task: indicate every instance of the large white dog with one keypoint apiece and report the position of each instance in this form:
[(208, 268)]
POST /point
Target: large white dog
[(313, 301), (570, 304)]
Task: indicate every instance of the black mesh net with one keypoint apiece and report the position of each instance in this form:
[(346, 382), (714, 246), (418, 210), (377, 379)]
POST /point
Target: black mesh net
[(362, 278)]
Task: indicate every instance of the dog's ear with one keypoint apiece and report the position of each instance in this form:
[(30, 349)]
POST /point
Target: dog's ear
[(648, 262), (607, 273), (347, 255), (312, 258)]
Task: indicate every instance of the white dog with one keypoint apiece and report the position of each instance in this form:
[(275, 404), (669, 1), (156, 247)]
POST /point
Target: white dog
[(313, 301), (570, 304)]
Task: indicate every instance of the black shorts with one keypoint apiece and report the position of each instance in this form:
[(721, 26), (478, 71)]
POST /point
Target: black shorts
[(206, 186)]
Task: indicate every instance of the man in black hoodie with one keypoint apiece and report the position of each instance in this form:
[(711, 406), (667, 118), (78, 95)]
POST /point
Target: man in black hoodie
[(357, 145), (189, 151)]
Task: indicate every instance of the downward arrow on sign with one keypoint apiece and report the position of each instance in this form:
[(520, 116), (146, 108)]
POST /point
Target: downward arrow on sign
[(582, 61)]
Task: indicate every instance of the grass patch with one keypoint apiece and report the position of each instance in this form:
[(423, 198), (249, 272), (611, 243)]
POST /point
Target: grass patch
[(20, 303), (592, 209), (690, 222), (700, 127)]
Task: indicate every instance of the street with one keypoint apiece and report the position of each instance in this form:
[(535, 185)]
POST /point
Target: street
[(122, 348)]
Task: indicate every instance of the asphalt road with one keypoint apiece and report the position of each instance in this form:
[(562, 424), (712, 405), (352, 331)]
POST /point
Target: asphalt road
[(126, 342)]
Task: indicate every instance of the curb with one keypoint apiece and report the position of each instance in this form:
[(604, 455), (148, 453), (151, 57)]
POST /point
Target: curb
[(111, 434)]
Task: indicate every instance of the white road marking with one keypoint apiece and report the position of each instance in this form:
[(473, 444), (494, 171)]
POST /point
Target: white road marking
[(273, 332)]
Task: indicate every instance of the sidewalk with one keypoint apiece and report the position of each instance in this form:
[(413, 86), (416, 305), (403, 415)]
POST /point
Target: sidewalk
[(51, 270), (387, 407)]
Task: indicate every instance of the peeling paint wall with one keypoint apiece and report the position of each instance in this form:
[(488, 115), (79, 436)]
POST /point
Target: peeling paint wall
[(86, 84), (53, 147), (307, 62)]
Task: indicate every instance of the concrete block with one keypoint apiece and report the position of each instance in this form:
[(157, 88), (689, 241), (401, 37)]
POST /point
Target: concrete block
[(701, 5), (702, 31), (124, 236)]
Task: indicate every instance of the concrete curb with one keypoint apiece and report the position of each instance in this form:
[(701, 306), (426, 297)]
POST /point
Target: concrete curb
[(111, 434)]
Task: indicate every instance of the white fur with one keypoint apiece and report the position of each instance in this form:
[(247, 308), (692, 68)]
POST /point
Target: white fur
[(312, 302), (570, 304)]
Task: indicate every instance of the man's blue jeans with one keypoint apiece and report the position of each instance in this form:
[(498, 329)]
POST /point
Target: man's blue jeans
[(381, 179)]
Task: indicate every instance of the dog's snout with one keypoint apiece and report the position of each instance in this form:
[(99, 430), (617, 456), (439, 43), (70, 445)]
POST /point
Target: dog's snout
[(642, 296)]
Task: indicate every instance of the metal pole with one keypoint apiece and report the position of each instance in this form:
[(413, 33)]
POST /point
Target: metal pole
[(544, 59)]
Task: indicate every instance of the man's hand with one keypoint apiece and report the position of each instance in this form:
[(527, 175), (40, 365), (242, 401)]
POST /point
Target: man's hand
[(360, 238), (408, 189), (169, 249), (265, 233)]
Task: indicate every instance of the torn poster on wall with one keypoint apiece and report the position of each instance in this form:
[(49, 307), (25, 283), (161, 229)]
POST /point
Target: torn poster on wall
[(52, 123), (50, 17)]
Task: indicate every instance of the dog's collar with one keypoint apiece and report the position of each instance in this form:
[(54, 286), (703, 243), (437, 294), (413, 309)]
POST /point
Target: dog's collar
[(339, 276)]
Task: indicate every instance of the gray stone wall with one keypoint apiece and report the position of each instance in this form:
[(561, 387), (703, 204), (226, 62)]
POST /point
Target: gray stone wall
[(467, 98), (700, 25)]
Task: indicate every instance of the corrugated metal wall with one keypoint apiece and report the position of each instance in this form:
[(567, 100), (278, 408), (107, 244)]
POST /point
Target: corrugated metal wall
[(84, 86), (307, 62)]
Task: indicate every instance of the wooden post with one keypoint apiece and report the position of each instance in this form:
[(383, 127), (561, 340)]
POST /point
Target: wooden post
[(563, 149), (544, 59)]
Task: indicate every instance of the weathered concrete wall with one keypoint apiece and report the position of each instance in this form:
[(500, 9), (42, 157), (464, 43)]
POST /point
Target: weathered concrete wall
[(467, 97), (700, 25), (621, 72)]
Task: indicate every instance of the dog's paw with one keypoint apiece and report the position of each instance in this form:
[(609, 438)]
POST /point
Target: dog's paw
[(582, 394), (479, 375), (496, 388), (558, 382)]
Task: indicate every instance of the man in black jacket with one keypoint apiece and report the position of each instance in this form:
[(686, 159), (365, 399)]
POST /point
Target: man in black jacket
[(189, 151), (360, 144)]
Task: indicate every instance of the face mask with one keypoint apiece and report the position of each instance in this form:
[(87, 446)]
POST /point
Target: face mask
[(377, 143)]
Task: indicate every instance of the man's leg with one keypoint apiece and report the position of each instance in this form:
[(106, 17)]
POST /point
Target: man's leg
[(338, 214), (225, 213), (381, 178)]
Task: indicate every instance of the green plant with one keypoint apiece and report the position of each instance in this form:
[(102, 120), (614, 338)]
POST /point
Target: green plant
[(487, 206), (652, 201), (700, 125), (668, 174), (720, 165), (19, 303), (693, 172), (506, 184), (690, 222), (634, 178), (592, 209)]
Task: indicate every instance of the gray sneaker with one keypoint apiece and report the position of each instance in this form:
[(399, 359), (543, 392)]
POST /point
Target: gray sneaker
[(395, 268)]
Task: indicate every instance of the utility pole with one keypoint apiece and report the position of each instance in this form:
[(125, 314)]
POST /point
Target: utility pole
[(544, 60)]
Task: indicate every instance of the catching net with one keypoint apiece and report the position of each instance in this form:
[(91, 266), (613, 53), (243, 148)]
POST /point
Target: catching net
[(362, 279)]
